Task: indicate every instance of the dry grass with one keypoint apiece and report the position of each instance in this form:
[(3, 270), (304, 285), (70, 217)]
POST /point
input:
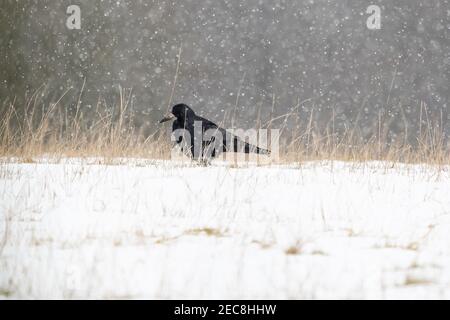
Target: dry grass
[(210, 232), (416, 281), (293, 250), (296, 248), (428, 146), (35, 129)]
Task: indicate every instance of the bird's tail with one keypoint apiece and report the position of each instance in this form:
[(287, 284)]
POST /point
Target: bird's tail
[(239, 145), (249, 148)]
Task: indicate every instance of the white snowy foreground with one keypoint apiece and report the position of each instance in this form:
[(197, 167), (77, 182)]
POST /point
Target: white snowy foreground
[(161, 229)]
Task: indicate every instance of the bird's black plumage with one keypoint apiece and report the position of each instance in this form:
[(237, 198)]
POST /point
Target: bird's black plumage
[(212, 139)]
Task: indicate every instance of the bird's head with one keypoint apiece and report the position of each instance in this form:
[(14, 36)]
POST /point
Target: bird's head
[(179, 111)]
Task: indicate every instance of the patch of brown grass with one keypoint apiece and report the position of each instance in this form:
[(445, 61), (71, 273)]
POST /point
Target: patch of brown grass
[(293, 250), (416, 281), (210, 232)]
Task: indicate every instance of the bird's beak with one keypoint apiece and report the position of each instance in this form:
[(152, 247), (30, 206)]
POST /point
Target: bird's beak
[(167, 117)]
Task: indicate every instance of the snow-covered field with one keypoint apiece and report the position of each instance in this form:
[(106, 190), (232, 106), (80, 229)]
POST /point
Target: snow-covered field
[(155, 229)]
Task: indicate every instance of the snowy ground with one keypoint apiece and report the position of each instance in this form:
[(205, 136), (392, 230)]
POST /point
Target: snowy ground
[(168, 230)]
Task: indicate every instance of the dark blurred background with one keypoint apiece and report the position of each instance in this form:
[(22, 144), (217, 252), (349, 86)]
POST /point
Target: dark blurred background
[(276, 54)]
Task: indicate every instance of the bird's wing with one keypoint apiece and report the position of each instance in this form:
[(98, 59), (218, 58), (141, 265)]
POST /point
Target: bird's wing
[(231, 142), (206, 124), (209, 125)]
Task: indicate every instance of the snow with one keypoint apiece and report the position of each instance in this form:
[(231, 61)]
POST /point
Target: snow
[(162, 229)]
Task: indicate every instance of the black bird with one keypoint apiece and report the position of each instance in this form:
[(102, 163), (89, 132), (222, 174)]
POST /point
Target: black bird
[(212, 138)]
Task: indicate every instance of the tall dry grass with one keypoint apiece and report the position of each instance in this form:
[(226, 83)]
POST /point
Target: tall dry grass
[(36, 130), (428, 145)]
